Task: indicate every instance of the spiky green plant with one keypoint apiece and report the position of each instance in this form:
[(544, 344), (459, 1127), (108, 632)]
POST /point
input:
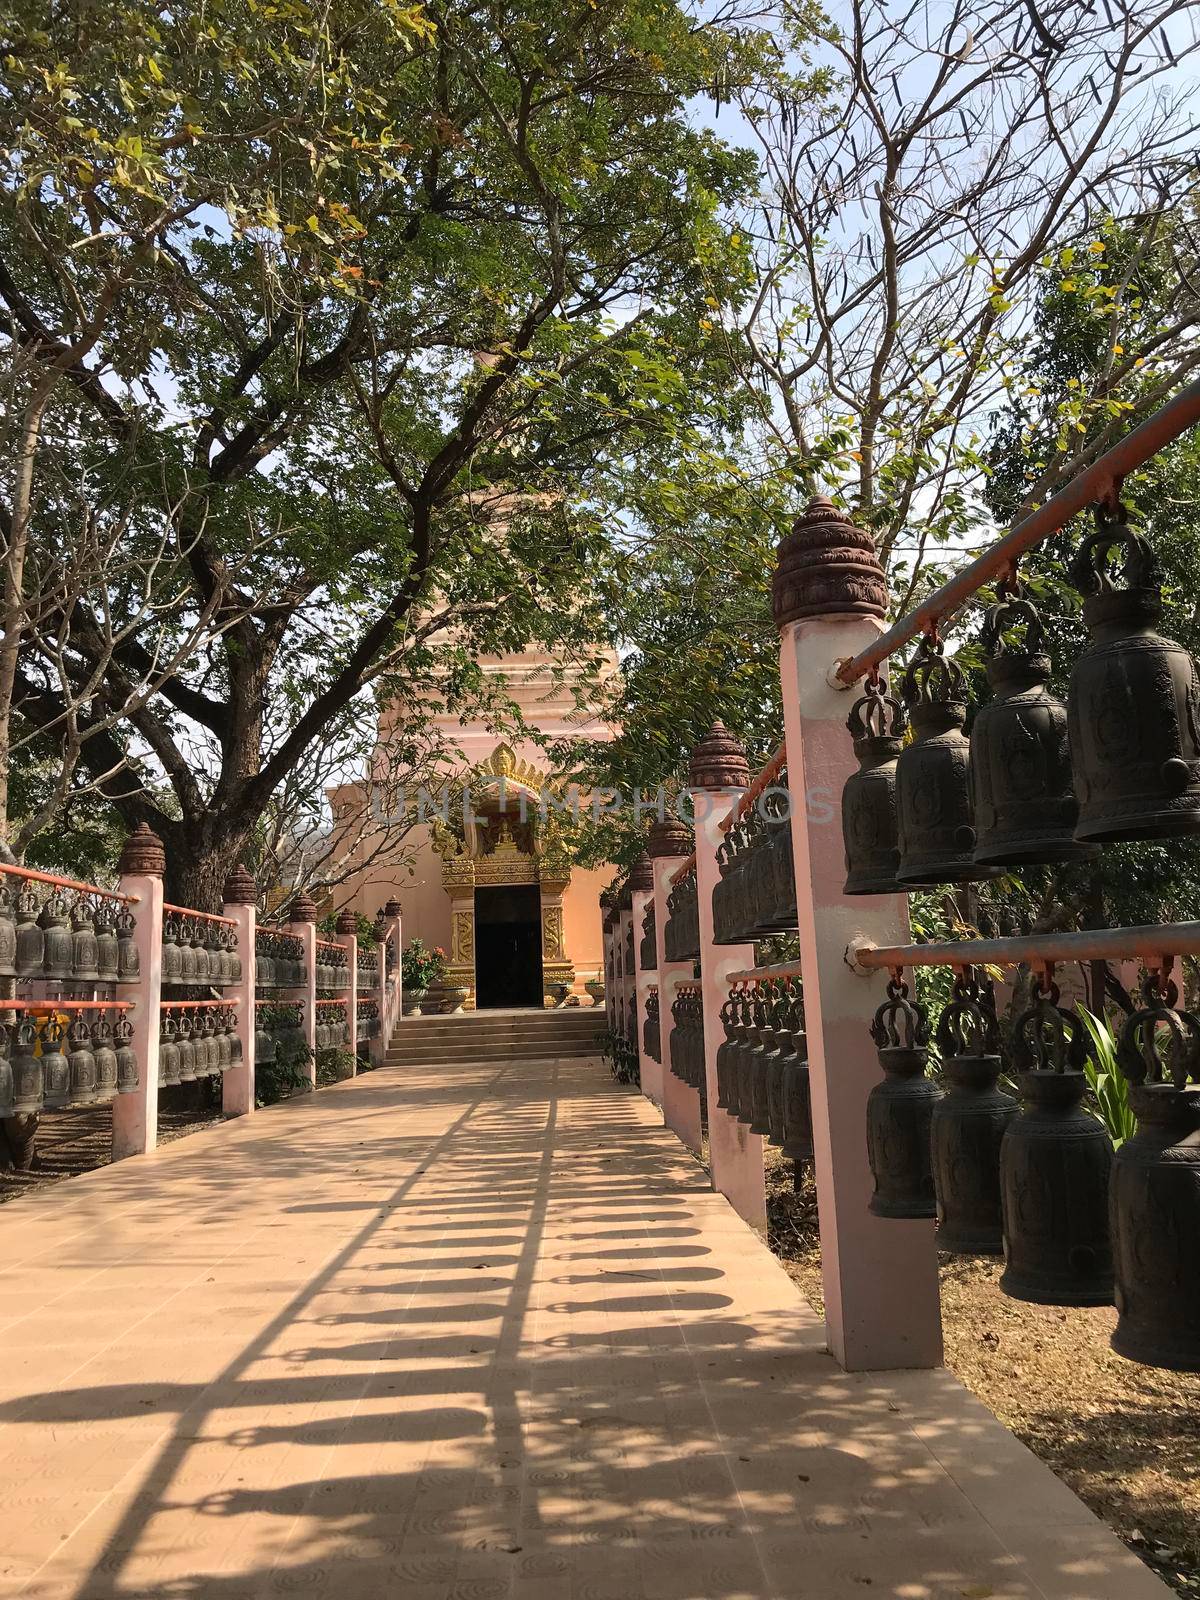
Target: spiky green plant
[(1108, 1083)]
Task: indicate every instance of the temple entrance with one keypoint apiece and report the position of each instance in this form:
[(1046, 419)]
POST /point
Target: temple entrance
[(508, 946)]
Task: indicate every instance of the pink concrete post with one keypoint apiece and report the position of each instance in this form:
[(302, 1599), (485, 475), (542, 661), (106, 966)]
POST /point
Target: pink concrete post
[(377, 1047), (668, 846), (237, 1085), (641, 886), (347, 937), (302, 925), (627, 966), (880, 1275), (718, 772), (135, 1116), (395, 944)]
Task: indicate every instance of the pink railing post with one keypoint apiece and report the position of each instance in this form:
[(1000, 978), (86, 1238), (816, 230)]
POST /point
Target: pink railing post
[(718, 771), (395, 944), (302, 925), (135, 1116), (880, 1275), (668, 845), (625, 966), (347, 937), (377, 1047), (237, 1085), (641, 885)]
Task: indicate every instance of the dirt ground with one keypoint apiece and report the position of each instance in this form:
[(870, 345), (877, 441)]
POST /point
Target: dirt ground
[(1125, 1437), (80, 1138)]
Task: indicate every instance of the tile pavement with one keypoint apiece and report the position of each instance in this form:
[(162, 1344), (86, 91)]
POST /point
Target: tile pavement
[(475, 1333)]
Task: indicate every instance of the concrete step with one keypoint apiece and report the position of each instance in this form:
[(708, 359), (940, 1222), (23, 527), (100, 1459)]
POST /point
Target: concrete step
[(422, 1058)]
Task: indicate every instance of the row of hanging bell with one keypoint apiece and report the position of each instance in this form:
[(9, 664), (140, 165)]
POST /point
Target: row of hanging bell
[(755, 894), (1031, 1180), (681, 932), (64, 940), (1037, 781), (686, 1039), (651, 1033), (196, 1042), (369, 1022), (1155, 1186), (278, 1035), (278, 960), (332, 966), (47, 1064), (199, 950), (332, 1029), (762, 1064)]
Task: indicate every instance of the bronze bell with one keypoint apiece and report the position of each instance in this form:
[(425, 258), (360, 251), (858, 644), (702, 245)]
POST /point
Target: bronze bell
[(781, 867), (969, 1122), (1024, 806), (8, 932), (168, 1052), (188, 965), (1054, 1167), (1155, 1189), (877, 726), (26, 1067), (934, 825), (172, 957), (186, 1046), (6, 1072), (106, 942), (128, 965), (106, 1058), (57, 951), (56, 1072), (1134, 699), (85, 952), (127, 1066), (900, 1109), (235, 1038), (81, 1061), (31, 942)]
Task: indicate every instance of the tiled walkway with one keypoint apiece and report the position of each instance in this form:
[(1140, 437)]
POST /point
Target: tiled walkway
[(464, 1335)]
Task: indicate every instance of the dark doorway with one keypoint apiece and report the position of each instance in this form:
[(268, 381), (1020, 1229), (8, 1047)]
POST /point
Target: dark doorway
[(508, 947)]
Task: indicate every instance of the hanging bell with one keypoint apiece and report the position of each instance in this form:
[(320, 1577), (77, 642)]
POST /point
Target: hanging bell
[(57, 952), (235, 959), (900, 1109), (783, 1057), (8, 932), (934, 825), (172, 956), (1024, 806), (751, 1054), (106, 943), (56, 1073), (106, 1059), (6, 1073), (127, 1067), (235, 1038), (31, 942), (760, 1083), (797, 1102), (650, 1026), (969, 1122), (128, 964), (187, 950), (781, 866), (729, 1011), (27, 1096), (877, 726), (200, 946), (81, 1061), (84, 949), (168, 1052), (186, 1045), (1054, 1167), (1155, 1190), (1134, 699)]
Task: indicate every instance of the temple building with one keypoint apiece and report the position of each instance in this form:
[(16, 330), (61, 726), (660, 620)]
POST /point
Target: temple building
[(491, 882)]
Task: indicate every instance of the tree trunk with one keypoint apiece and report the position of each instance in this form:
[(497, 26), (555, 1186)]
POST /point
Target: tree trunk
[(18, 1136), (200, 856)]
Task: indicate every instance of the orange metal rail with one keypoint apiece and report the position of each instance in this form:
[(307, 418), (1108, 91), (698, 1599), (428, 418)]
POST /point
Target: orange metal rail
[(764, 780), (67, 883), (202, 916)]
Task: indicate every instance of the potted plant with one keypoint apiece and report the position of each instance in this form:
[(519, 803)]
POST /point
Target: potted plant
[(420, 970), (595, 987)]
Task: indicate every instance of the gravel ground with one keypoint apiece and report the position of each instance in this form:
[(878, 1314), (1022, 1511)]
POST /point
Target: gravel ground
[(1125, 1437)]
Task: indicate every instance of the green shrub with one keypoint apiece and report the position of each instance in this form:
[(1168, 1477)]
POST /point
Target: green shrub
[(1110, 1088)]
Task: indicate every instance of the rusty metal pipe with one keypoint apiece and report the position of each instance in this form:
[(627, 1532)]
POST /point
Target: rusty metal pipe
[(1092, 944), (35, 876), (1090, 486), (764, 780), (780, 969)]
